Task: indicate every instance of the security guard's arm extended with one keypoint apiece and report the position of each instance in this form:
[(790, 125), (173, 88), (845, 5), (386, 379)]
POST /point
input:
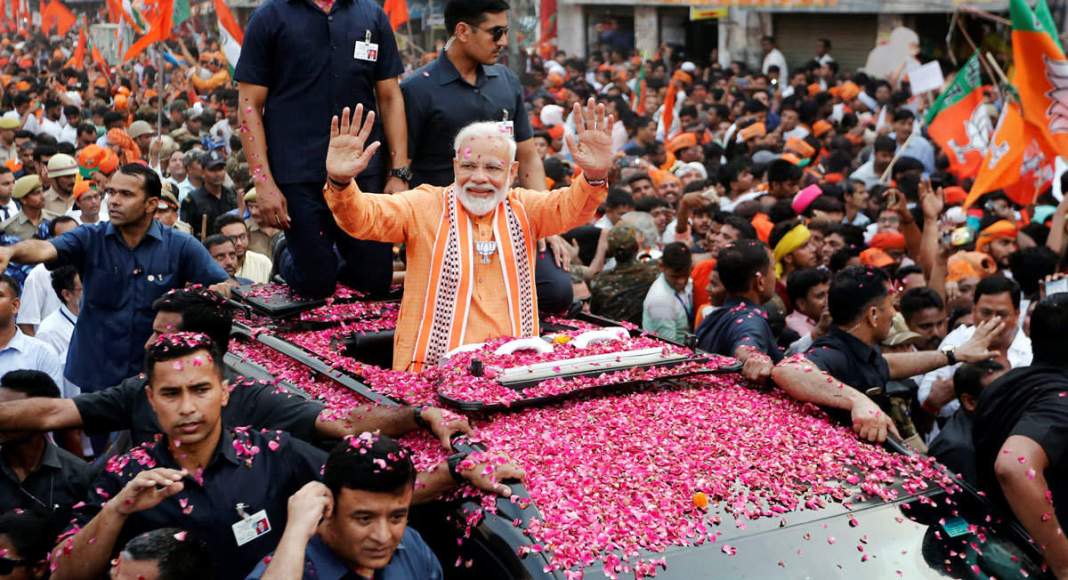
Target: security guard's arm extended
[(269, 198), (27, 252), (805, 382), (531, 170), (395, 124)]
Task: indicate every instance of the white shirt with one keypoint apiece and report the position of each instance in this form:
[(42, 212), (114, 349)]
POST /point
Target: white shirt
[(866, 173), (257, 268), (604, 223), (50, 127), (38, 298), (1019, 355), (775, 58), (666, 312), (28, 353), (184, 189), (56, 329), (76, 213), (11, 208), (68, 134)]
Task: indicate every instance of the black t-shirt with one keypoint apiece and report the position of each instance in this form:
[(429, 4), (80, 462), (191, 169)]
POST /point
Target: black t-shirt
[(258, 404), (257, 469), (848, 359), (60, 481), (1031, 402), (737, 323), (954, 447)]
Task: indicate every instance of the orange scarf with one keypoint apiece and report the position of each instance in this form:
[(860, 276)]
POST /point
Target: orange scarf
[(447, 303)]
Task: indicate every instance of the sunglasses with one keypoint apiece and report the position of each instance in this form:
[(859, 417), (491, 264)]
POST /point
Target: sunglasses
[(7, 565), (497, 32)]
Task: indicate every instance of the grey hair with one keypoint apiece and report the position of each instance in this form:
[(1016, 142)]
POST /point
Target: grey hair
[(643, 222), (488, 129)]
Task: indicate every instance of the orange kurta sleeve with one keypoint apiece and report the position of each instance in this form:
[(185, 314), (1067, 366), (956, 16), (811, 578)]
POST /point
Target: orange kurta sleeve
[(374, 217), (557, 211)]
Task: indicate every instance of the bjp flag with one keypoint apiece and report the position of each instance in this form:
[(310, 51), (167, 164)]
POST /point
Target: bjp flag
[(1018, 160), (1041, 76), (397, 11), (56, 15), (959, 123)]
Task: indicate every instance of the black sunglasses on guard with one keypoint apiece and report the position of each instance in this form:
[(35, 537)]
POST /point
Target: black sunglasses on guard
[(7, 565), (496, 32)]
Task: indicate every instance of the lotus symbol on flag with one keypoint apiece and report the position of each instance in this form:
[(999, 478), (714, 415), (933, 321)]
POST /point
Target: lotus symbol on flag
[(1057, 75), (978, 128), (997, 151), (1034, 161)]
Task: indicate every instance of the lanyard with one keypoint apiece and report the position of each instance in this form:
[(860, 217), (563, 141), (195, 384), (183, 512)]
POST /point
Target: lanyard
[(64, 315), (685, 308)]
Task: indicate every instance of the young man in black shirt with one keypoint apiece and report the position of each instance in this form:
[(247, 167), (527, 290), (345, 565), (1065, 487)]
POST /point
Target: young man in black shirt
[(740, 327), (35, 474), (954, 446), (1021, 435), (258, 404), (200, 475), (862, 311)]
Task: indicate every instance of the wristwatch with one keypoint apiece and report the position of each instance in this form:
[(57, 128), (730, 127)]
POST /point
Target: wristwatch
[(418, 415), (402, 173), (951, 356), (454, 461)]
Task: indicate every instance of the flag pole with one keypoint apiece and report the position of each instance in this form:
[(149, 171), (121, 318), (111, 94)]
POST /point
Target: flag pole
[(982, 61), (997, 67), (159, 96)]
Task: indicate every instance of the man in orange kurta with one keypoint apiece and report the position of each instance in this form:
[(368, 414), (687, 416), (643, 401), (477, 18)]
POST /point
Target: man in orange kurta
[(470, 246)]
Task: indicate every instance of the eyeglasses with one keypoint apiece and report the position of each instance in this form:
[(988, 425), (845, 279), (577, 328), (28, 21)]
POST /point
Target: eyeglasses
[(496, 32), (7, 565)]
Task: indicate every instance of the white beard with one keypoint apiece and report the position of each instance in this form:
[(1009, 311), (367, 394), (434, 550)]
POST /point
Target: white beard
[(479, 206)]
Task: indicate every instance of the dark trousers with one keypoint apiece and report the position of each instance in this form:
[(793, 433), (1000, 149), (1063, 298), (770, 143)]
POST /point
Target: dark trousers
[(554, 285), (319, 254)]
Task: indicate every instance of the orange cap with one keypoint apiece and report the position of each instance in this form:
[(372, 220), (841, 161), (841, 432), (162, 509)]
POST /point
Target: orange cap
[(800, 147), (955, 195), (754, 130), (110, 163), (682, 141), (888, 241), (820, 128), (81, 187), (875, 258), (969, 265), (120, 102), (763, 226)]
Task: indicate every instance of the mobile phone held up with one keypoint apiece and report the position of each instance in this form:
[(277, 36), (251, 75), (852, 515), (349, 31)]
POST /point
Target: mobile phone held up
[(1056, 286)]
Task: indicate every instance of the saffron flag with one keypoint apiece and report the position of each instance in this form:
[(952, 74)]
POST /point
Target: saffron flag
[(397, 10), (1041, 76), (77, 60), (1045, 17), (160, 26), (546, 20), (231, 37), (960, 125), (1018, 160), (56, 16)]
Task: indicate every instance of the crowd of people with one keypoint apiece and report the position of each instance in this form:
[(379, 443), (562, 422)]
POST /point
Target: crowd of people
[(797, 220)]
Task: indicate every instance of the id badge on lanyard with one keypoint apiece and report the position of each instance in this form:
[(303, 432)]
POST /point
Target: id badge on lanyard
[(505, 126), (365, 49), (250, 527)]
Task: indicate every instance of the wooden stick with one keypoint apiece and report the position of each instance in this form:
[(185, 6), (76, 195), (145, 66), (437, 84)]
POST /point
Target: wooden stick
[(984, 14), (982, 62), (203, 226), (897, 155), (997, 67)]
